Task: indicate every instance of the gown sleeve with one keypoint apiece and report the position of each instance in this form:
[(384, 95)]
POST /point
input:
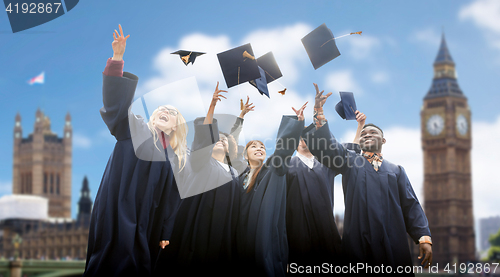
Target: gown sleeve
[(205, 136), (287, 142), (414, 216), (117, 96), (239, 163)]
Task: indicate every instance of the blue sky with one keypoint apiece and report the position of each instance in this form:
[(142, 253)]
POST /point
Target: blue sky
[(389, 69)]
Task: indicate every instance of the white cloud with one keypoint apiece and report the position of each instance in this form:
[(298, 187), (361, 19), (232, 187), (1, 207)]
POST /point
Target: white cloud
[(485, 185), (81, 141), (380, 77), (485, 14), (360, 47), (428, 36), (341, 80)]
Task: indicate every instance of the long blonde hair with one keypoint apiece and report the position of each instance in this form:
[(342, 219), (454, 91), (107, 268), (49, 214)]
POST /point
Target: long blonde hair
[(178, 140)]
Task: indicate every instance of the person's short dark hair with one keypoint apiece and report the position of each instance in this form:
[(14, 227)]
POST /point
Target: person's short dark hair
[(373, 125)]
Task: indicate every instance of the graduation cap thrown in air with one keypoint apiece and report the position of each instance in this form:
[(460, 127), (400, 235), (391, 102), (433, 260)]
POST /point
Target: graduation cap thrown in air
[(261, 83), (269, 72), (238, 65), (188, 56), (347, 106), (320, 46)]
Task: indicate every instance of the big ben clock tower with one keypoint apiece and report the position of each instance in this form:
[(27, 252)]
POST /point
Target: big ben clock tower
[(446, 143)]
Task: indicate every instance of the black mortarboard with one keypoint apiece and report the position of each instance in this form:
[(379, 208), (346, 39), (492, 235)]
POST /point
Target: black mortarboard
[(346, 108), (238, 65), (188, 56), (268, 64), (320, 46)]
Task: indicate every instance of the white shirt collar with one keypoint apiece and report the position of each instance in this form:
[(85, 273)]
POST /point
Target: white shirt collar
[(309, 162)]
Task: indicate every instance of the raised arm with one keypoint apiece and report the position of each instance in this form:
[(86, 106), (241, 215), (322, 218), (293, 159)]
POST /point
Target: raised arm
[(117, 90), (354, 146), (287, 140), (215, 98), (238, 124), (321, 142), (360, 118)]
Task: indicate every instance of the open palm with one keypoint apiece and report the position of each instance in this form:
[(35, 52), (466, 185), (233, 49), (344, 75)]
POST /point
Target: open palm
[(119, 44)]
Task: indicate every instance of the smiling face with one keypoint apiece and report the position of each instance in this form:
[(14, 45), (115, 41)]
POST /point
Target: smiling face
[(165, 119), (371, 139), (255, 152), (222, 144)]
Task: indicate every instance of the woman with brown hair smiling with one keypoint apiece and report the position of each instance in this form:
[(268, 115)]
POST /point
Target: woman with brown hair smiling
[(261, 234)]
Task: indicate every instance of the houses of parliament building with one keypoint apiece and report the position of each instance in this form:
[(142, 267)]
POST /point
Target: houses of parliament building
[(35, 222)]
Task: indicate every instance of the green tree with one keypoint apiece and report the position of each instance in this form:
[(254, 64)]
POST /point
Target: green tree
[(494, 251)]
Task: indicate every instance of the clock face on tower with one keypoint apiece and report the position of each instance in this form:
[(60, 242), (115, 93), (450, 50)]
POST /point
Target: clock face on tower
[(435, 124), (462, 125)]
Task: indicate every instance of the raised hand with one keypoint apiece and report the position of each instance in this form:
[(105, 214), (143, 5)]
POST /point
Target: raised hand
[(360, 117), (246, 108), (215, 98), (300, 112), (320, 99), (119, 44)]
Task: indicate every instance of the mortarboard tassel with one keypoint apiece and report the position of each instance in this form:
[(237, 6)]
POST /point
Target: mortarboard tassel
[(247, 55), (185, 59), (242, 106), (355, 33), (282, 92)]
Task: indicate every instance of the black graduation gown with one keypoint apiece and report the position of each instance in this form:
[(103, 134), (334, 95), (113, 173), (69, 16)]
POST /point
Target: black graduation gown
[(380, 206), (204, 231), (261, 236), (313, 237), (136, 202)]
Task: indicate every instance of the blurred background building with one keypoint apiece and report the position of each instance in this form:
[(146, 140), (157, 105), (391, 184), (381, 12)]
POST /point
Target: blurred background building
[(38, 214)]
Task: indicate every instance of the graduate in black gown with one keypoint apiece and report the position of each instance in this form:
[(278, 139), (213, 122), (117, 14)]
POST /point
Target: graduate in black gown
[(380, 204), (203, 239), (135, 205), (261, 236), (313, 237)]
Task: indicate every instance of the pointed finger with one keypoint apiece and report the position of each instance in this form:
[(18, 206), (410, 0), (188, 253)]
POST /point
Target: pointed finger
[(328, 94), (114, 36), (248, 99), (222, 96), (127, 37), (117, 34), (121, 30), (316, 87), (217, 87), (294, 109)]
